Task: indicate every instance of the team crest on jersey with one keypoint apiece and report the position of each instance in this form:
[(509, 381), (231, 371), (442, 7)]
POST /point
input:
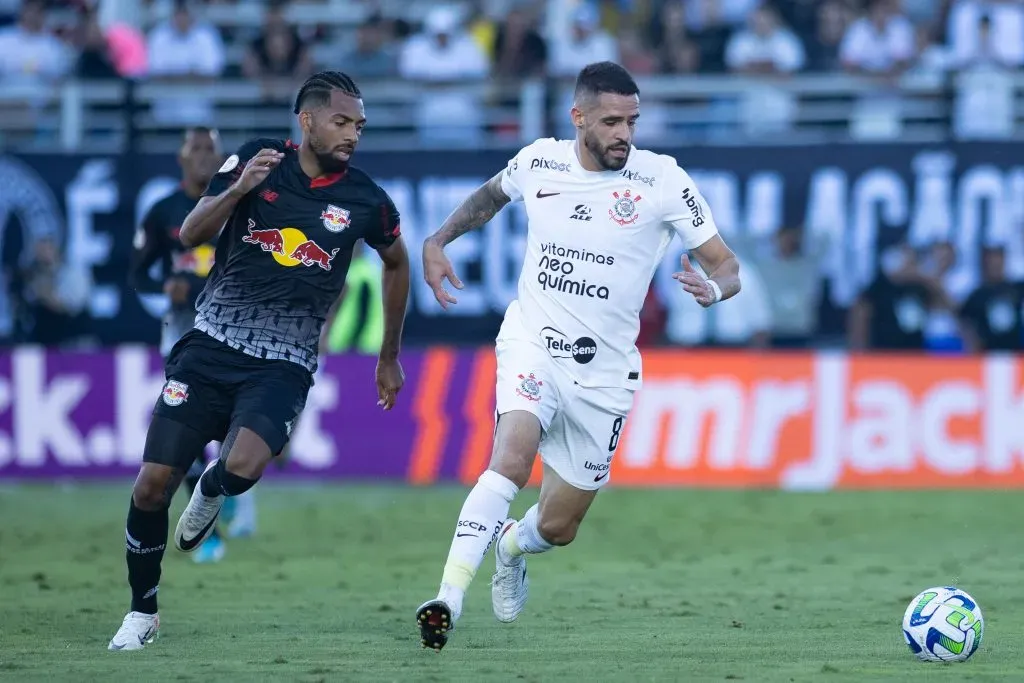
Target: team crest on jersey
[(529, 387), (335, 219), (624, 210), (175, 393)]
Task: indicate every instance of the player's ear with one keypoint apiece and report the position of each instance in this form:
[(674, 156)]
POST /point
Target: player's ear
[(305, 121), (577, 117)]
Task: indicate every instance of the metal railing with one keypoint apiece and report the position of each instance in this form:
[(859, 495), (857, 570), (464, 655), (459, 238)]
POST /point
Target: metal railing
[(148, 116)]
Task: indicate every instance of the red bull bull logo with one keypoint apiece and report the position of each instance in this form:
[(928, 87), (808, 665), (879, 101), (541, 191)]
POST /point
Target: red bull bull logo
[(175, 393), (335, 218), (269, 240), (309, 253), (290, 247)]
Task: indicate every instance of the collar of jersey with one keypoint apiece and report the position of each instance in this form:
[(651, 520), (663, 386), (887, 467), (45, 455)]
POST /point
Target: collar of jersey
[(314, 183)]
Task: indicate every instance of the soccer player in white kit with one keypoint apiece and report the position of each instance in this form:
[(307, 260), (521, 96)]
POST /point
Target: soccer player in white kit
[(601, 214)]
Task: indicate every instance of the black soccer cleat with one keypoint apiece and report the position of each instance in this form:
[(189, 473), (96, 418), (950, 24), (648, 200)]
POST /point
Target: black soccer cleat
[(435, 620)]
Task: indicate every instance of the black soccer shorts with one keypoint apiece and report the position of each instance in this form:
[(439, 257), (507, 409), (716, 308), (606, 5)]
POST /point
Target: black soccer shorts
[(212, 388)]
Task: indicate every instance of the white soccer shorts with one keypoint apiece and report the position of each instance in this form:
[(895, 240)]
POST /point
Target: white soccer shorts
[(581, 425)]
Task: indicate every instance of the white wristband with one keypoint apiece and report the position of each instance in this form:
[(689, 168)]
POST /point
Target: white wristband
[(716, 289)]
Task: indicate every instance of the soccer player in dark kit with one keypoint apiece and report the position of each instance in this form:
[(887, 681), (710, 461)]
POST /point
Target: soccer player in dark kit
[(291, 215), (183, 270)]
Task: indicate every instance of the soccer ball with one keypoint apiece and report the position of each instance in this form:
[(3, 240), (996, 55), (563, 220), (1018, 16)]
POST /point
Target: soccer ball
[(943, 625)]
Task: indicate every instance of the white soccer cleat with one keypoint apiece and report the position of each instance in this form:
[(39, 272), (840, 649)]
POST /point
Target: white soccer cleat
[(198, 518), (510, 586), (137, 630)]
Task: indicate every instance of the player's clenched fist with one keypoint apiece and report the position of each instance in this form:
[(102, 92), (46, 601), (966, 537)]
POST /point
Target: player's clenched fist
[(257, 169), (437, 267)]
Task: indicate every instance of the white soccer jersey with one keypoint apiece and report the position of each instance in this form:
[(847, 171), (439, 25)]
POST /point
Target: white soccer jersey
[(595, 240)]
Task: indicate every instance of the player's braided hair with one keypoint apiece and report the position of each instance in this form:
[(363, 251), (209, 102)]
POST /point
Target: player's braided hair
[(316, 91)]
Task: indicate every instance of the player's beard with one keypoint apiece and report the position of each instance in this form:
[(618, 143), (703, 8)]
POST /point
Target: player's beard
[(602, 154), (325, 157)]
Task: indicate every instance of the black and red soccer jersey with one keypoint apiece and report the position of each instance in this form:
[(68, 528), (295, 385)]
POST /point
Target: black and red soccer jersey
[(283, 255), (156, 241)]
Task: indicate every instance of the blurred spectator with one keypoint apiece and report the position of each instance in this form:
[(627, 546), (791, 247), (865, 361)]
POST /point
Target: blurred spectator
[(880, 43), (833, 18), (678, 53), (55, 295), (742, 321), (765, 46), (29, 54), (932, 58), (374, 54), (892, 312), (989, 31), (702, 14), (634, 54), (444, 57), (94, 58), (585, 43), (941, 332), (796, 286), (444, 52), (984, 107), (708, 27), (184, 50), (992, 318), (519, 51), (127, 46), (278, 52)]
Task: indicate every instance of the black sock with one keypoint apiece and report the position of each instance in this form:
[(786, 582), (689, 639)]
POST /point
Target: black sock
[(145, 541), (219, 482)]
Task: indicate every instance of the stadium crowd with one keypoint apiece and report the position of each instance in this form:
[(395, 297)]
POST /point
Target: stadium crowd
[(46, 40), (909, 306)]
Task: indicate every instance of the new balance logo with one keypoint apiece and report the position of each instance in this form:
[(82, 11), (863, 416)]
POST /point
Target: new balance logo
[(581, 213), (269, 195), (541, 194)]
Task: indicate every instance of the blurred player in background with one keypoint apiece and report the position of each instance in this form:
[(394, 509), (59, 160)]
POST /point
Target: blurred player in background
[(184, 273), (601, 214), (291, 216)]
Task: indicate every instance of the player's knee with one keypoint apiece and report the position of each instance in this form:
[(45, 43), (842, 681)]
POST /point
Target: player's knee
[(152, 488), (558, 532), (248, 448)]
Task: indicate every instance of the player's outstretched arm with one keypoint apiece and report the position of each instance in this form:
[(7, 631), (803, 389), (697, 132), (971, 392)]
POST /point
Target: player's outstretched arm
[(473, 213), (395, 286), (204, 222), (722, 267)]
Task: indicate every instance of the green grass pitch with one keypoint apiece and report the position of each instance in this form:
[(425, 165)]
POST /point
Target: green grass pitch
[(660, 586)]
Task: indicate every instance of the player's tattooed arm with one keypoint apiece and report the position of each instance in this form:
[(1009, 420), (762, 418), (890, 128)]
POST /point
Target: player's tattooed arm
[(473, 213)]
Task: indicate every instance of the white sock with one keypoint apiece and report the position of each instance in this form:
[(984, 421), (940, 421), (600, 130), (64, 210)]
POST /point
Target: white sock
[(524, 538), (480, 521)]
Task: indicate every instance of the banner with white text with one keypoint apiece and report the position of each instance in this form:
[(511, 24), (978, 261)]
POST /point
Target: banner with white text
[(861, 197), (792, 421)]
